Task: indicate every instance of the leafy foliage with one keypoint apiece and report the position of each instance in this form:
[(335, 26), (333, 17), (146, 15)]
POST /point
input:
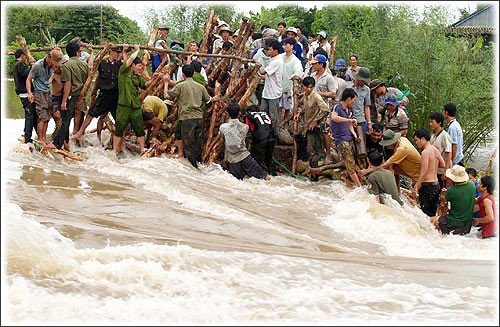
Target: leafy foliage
[(66, 22)]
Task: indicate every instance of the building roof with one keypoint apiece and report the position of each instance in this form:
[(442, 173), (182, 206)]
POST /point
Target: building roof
[(482, 21)]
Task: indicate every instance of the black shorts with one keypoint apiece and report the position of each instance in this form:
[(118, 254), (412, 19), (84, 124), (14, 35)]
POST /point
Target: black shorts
[(428, 195), (247, 166), (147, 115), (106, 101), (447, 228)]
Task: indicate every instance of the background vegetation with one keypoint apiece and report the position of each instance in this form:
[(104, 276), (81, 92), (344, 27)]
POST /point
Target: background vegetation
[(406, 49)]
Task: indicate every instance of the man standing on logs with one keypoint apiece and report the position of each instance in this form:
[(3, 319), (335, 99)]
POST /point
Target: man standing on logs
[(273, 79), (107, 82), (74, 74), (190, 95), (292, 67), (21, 72), (327, 88), (313, 112), (38, 80)]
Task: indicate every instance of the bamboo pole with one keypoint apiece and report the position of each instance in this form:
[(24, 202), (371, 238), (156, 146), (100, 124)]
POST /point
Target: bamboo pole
[(199, 54)]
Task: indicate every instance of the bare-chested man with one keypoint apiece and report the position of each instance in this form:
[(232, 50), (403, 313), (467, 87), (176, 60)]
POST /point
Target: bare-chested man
[(427, 185)]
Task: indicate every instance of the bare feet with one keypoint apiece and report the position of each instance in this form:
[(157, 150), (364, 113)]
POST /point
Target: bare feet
[(77, 136), (66, 146), (47, 145)]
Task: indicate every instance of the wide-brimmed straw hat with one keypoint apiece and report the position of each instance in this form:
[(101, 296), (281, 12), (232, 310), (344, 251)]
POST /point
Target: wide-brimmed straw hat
[(457, 174), (389, 137)]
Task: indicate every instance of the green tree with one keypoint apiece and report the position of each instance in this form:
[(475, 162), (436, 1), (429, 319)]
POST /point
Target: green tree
[(32, 22), (29, 21), (85, 21), (186, 22), (411, 50)]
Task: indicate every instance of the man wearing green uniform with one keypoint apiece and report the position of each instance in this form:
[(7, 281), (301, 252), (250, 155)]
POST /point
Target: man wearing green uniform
[(131, 78), (74, 73)]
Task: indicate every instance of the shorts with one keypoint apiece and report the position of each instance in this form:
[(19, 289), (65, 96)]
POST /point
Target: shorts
[(428, 196), (178, 130), (347, 152), (106, 101), (286, 101), (124, 115), (147, 115), (247, 166), (80, 106), (325, 125), (43, 105), (446, 227), (56, 102)]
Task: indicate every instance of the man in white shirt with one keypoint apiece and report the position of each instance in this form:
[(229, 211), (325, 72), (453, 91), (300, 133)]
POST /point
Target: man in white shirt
[(273, 79), (292, 67)]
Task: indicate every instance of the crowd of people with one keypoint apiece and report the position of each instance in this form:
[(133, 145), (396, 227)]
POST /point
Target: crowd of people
[(364, 119)]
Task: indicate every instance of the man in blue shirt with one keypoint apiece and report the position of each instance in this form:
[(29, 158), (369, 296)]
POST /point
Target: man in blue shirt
[(343, 125)]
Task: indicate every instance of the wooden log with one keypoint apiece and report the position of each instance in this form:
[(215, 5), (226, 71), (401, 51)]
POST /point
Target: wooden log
[(333, 48), (318, 170), (208, 31), (219, 144), (47, 151), (490, 164), (151, 42), (409, 196), (213, 118), (251, 88), (92, 100), (155, 81), (22, 43), (95, 66), (109, 124)]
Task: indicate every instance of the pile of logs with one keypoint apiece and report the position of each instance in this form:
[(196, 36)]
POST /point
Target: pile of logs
[(233, 77)]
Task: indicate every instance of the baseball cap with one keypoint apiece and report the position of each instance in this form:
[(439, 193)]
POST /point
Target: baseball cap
[(322, 33), (339, 64), (319, 58)]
